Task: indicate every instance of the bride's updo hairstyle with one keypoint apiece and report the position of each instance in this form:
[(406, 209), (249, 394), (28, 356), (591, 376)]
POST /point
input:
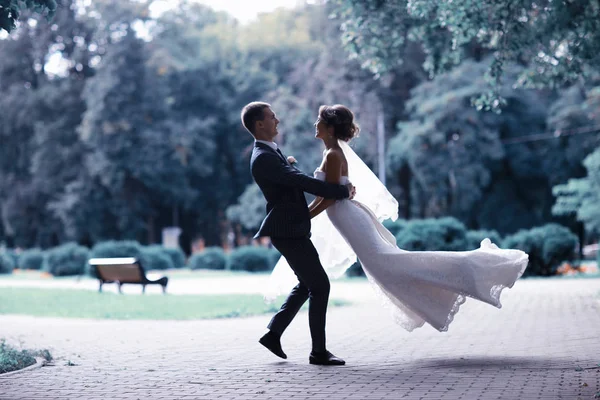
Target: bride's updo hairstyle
[(342, 120)]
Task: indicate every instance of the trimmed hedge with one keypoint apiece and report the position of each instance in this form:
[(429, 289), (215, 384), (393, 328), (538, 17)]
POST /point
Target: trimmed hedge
[(67, 259), (443, 234), (251, 258), (31, 259), (355, 270), (275, 256), (548, 246), (14, 256), (395, 227), (115, 248), (474, 238), (6, 264), (177, 257), (155, 257), (210, 258)]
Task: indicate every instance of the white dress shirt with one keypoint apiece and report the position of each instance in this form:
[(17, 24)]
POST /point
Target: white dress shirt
[(272, 145)]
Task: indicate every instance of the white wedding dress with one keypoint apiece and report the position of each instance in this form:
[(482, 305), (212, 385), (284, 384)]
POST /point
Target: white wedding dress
[(419, 286)]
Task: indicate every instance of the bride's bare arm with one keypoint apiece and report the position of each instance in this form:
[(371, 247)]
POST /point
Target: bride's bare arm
[(333, 174), (314, 203)]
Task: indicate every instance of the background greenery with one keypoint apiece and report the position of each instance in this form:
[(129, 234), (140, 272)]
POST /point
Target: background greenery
[(90, 304), (139, 129)]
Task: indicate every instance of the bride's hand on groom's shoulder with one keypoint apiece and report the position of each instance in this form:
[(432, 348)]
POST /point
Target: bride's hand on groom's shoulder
[(291, 160)]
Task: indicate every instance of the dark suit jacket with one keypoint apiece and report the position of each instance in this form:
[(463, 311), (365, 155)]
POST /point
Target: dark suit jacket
[(283, 187)]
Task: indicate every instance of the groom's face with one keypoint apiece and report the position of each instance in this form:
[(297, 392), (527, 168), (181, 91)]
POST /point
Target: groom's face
[(268, 125)]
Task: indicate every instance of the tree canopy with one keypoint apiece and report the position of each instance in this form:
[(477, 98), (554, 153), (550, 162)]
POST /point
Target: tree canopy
[(557, 41)]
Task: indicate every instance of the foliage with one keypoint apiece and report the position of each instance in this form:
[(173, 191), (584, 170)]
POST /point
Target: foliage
[(13, 254), (112, 306), (558, 40), (250, 210), (478, 166), (210, 258), (274, 255), (156, 258), (251, 259), (355, 270), (548, 246), (115, 249), (138, 129), (395, 227), (10, 11), (31, 259), (6, 264), (12, 359), (177, 256), (443, 234), (582, 196), (475, 237), (67, 259)]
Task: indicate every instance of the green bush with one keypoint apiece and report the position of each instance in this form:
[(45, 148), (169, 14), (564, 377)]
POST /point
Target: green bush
[(6, 264), (474, 238), (250, 258), (14, 256), (210, 258), (155, 257), (31, 259), (355, 269), (177, 257), (548, 246), (275, 256), (395, 227), (67, 259), (12, 359), (443, 234), (115, 248)]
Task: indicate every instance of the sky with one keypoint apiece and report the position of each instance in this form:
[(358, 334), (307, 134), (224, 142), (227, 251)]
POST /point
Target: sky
[(243, 10)]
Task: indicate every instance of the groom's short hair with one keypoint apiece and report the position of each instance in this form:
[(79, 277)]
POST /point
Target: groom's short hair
[(253, 112)]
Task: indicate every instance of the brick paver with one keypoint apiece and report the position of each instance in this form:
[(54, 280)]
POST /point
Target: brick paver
[(543, 344)]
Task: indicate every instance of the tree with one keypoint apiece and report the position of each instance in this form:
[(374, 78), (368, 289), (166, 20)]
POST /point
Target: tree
[(582, 196), (10, 10), (40, 113), (559, 41), (455, 157)]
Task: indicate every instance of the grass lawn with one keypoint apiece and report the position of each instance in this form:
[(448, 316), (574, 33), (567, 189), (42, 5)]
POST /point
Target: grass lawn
[(173, 274), (91, 304)]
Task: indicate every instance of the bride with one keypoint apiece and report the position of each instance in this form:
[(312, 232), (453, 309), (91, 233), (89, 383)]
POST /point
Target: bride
[(419, 286)]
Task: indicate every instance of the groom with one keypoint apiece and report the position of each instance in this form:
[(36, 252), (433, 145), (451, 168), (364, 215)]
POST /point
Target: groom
[(288, 224)]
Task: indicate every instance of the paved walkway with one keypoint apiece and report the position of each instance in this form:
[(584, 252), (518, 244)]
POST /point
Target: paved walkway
[(544, 344)]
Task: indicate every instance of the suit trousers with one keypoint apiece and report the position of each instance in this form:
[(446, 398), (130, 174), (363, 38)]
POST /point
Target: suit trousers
[(313, 285)]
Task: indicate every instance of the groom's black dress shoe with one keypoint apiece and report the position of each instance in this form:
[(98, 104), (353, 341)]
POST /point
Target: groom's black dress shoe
[(273, 343), (325, 358)]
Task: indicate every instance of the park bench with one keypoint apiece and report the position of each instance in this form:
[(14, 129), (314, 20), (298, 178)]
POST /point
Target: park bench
[(124, 270)]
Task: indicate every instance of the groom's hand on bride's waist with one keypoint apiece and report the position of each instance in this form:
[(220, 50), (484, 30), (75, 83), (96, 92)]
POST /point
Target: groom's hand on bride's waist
[(351, 191)]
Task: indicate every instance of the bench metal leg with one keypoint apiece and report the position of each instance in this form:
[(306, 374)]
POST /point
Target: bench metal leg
[(164, 288), (120, 291), (100, 287), (143, 289)]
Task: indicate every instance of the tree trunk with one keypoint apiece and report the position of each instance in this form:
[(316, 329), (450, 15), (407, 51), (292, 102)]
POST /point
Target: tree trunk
[(404, 177)]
